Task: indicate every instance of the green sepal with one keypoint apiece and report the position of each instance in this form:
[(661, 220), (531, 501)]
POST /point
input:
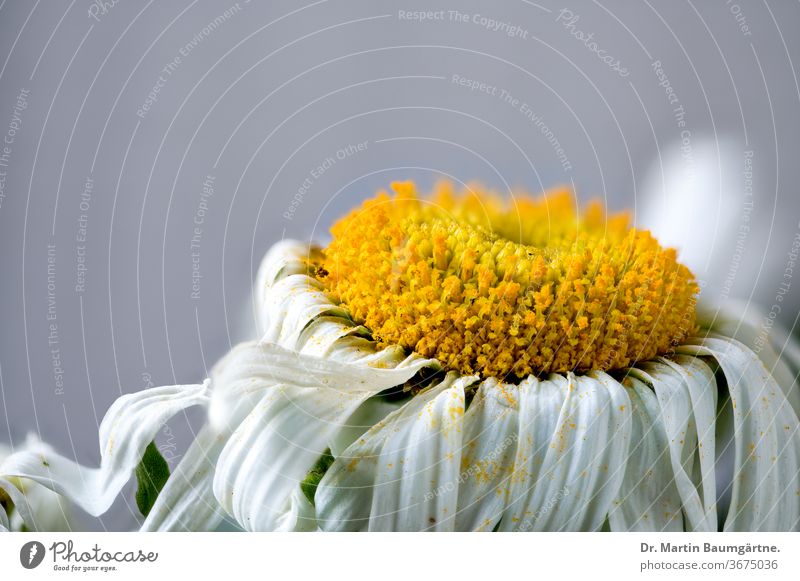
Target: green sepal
[(309, 484)]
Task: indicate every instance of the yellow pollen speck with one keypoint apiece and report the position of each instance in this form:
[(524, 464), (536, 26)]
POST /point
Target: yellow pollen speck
[(508, 289)]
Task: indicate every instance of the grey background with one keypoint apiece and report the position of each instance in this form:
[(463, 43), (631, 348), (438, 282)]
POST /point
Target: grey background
[(271, 91)]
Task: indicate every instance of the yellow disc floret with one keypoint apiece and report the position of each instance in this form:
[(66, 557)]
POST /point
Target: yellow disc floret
[(506, 289)]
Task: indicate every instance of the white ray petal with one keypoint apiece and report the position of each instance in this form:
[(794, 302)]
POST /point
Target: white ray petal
[(677, 414), (187, 502), (583, 459), (761, 333), (283, 259), (647, 498), (417, 477), (292, 303), (371, 412), (766, 491), (272, 450), (540, 404), (404, 471), (127, 428), (294, 406), (702, 387), (491, 431), (22, 506), (250, 369)]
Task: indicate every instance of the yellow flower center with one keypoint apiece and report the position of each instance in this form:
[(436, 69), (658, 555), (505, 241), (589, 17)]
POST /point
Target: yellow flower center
[(508, 289)]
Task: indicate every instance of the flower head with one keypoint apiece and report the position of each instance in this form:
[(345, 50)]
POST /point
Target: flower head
[(508, 289), (455, 363)]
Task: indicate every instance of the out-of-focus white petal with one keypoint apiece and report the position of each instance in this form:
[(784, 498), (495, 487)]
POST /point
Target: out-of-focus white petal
[(23, 508), (647, 498), (35, 506), (127, 428), (403, 474), (766, 491), (187, 502), (582, 459), (697, 208), (491, 426)]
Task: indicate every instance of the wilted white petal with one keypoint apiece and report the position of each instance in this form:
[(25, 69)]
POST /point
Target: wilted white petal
[(370, 413), (761, 333), (766, 492), (4, 524), (23, 508), (250, 369), (491, 426), (417, 477), (35, 506), (677, 414), (283, 259), (325, 332), (126, 430), (647, 498), (699, 381), (187, 502), (581, 461), (292, 303), (274, 447), (403, 473), (540, 404)]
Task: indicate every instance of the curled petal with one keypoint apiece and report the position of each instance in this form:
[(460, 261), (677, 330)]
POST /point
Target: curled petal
[(127, 428), (766, 491), (648, 499)]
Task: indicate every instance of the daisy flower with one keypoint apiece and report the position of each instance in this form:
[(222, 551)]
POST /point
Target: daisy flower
[(459, 362)]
